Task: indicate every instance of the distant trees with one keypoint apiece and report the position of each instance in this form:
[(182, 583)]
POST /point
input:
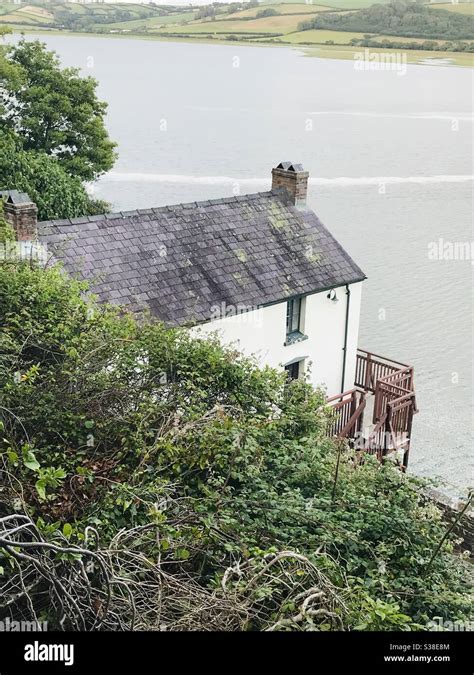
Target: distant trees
[(401, 18), (208, 12), (269, 11), (235, 7)]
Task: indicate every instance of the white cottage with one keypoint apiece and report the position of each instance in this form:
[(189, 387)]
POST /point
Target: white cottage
[(261, 271)]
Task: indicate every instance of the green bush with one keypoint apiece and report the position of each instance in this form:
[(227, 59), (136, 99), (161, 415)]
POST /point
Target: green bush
[(132, 427)]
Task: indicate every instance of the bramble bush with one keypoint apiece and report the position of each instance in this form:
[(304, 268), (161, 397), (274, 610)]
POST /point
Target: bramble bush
[(175, 468)]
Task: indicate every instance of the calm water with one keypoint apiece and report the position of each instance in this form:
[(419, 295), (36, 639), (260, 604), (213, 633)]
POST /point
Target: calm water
[(389, 157)]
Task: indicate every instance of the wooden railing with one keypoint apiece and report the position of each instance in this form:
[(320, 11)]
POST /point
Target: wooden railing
[(348, 409), (371, 367), (392, 431), (392, 384)]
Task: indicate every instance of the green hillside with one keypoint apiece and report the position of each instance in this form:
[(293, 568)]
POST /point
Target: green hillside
[(335, 25), (400, 18)]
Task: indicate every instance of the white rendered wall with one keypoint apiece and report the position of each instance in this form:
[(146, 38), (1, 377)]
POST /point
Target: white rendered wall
[(262, 333)]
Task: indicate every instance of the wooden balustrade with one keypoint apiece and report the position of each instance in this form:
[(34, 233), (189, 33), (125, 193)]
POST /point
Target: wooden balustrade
[(348, 409), (371, 367), (392, 384)]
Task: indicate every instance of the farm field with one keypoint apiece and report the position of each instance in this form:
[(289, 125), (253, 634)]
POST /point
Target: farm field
[(25, 14), (334, 4), (284, 8), (412, 55), (321, 36), (270, 24), (24, 19), (153, 22), (460, 8), (338, 37)]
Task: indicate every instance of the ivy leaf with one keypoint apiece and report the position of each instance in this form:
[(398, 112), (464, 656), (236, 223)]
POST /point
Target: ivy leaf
[(12, 457), (182, 554), (30, 461), (40, 486), (67, 530)]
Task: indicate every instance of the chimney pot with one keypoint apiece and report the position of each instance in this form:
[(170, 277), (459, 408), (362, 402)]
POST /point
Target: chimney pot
[(294, 179)]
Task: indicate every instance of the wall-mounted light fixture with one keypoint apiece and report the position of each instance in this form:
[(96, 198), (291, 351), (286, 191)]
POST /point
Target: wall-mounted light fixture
[(332, 296)]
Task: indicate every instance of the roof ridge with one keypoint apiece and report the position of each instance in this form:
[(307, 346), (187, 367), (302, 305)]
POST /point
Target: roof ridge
[(116, 215)]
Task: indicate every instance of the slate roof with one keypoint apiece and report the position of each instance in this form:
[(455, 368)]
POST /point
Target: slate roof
[(180, 261)]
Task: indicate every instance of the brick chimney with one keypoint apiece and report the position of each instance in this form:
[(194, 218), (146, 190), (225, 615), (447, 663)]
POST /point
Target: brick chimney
[(21, 213), (294, 179)]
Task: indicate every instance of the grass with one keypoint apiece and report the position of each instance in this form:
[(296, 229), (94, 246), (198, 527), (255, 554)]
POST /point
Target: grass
[(284, 8), (334, 4), (24, 17), (321, 36), (286, 23), (412, 55), (76, 8), (153, 22), (339, 37), (460, 8), (36, 11)]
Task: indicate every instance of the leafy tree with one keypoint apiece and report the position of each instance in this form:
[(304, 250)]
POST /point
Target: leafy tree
[(6, 231), (55, 111), (56, 193)]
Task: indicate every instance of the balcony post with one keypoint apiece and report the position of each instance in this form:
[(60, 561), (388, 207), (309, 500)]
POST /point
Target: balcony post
[(368, 365)]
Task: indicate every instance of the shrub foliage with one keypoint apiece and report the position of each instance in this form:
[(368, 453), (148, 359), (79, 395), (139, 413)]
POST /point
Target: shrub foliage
[(163, 481)]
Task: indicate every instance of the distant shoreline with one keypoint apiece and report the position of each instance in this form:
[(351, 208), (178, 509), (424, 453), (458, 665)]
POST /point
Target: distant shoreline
[(337, 52)]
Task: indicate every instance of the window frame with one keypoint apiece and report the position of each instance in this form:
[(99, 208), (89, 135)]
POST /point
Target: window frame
[(290, 315)]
